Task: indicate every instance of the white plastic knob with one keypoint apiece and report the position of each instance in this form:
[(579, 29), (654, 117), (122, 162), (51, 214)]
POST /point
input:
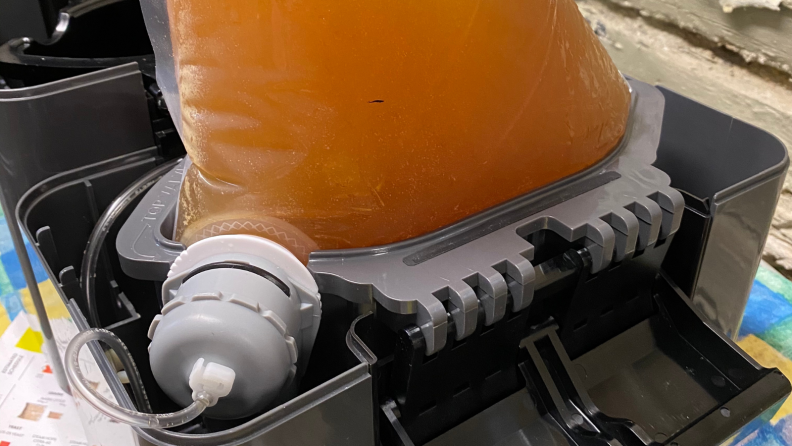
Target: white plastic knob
[(212, 379)]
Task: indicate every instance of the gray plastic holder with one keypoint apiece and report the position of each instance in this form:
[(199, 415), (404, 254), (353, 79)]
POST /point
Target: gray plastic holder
[(144, 249), (619, 207), (616, 208)]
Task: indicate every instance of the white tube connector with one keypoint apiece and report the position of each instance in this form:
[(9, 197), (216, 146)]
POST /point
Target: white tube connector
[(212, 379), (214, 384)]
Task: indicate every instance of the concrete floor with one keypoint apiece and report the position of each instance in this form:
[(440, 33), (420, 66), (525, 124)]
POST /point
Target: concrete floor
[(661, 53)]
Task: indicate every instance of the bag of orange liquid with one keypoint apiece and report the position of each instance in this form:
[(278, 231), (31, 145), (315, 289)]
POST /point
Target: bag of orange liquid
[(326, 124)]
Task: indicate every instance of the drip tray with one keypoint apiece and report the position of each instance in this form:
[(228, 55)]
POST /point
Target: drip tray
[(642, 373), (668, 380), (517, 415)]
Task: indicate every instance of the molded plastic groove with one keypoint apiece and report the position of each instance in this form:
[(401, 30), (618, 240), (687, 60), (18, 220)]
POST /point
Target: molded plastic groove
[(245, 302), (70, 284), (625, 227), (49, 250), (600, 241), (429, 407), (274, 320), (465, 301), (669, 201), (650, 217), (519, 274), (168, 307), (212, 295), (491, 290), (461, 389), (493, 375), (217, 296), (455, 314), (153, 326)]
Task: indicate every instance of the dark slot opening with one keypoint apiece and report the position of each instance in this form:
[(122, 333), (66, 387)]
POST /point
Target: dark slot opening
[(461, 389), (427, 408)]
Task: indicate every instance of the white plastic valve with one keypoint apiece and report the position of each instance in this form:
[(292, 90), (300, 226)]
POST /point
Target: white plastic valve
[(214, 380)]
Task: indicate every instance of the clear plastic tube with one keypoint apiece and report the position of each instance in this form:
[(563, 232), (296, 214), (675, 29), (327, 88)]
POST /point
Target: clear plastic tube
[(81, 385), (96, 241), (131, 370)]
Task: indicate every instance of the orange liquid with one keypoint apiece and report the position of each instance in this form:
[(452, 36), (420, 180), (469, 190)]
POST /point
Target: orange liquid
[(327, 124)]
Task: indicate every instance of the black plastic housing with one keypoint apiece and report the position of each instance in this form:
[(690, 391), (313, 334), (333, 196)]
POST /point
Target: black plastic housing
[(622, 357)]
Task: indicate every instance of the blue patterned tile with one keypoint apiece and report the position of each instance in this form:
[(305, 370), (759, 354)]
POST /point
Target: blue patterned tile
[(765, 308), (13, 269), (12, 303), (6, 244)]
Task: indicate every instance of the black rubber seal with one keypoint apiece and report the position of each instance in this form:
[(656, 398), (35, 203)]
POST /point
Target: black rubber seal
[(240, 266)]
